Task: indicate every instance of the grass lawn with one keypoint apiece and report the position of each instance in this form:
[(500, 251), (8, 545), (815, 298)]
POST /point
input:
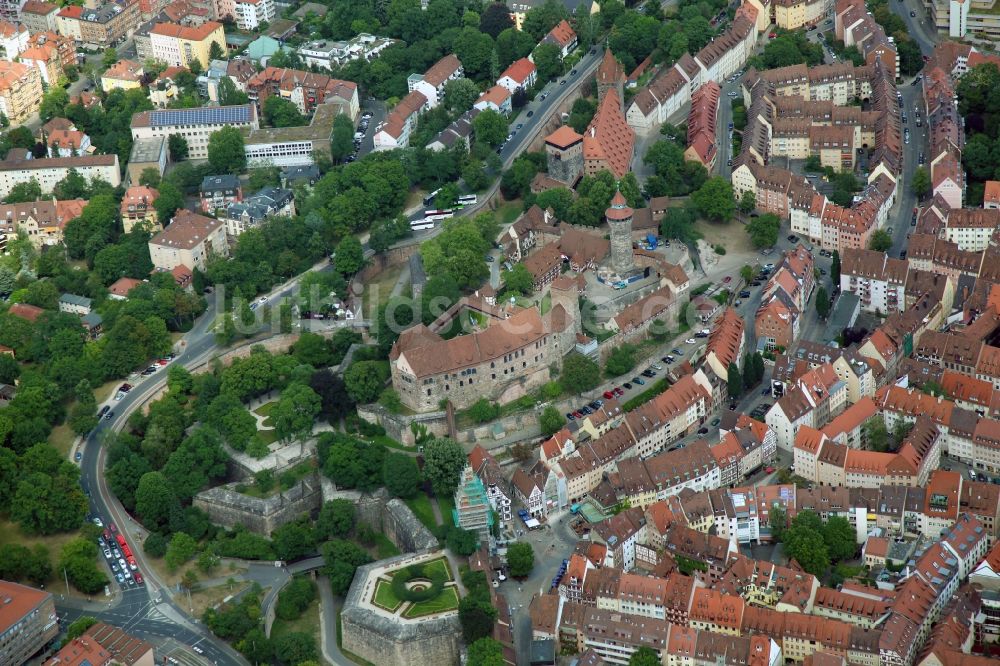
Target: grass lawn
[(204, 599), (62, 437), (268, 436), (421, 507), (509, 212), (446, 504), (385, 597), (265, 411), (307, 623), (546, 303), (378, 290), (384, 547), (446, 601), (11, 533)]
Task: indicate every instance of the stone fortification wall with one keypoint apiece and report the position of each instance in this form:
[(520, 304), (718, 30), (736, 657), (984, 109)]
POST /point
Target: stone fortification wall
[(229, 508)]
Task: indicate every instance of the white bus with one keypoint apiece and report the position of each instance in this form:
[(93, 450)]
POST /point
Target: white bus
[(422, 225), (468, 200), (429, 199), (438, 214)]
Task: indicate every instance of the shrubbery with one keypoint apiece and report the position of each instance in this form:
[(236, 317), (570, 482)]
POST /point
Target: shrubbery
[(404, 576)]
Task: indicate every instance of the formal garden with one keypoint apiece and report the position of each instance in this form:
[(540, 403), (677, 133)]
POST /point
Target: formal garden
[(417, 590)]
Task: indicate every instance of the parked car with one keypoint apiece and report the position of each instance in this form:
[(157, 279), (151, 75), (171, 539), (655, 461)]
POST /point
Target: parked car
[(618, 391), (690, 341), (608, 395), (570, 416), (639, 380), (627, 385)]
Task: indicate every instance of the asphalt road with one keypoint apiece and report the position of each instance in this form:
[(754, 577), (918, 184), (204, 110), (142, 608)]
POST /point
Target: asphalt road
[(165, 619)]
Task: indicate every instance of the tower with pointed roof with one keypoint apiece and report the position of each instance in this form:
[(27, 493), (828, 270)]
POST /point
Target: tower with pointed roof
[(619, 217), (610, 78)]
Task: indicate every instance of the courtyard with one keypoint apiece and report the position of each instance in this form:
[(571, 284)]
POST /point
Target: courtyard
[(422, 576)]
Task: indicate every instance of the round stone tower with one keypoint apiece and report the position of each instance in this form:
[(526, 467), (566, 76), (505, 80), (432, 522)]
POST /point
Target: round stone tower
[(619, 217)]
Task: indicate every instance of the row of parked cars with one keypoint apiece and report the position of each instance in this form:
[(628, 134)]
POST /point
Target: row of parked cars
[(119, 555)]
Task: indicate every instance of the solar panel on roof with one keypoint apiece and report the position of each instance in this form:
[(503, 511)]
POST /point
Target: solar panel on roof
[(218, 115)]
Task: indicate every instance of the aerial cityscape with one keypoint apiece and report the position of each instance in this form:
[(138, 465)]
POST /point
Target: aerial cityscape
[(540, 332)]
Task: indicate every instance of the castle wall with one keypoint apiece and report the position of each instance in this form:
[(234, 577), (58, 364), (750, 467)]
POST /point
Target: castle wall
[(229, 508)]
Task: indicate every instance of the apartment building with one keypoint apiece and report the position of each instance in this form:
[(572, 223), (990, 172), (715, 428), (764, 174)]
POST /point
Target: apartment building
[(102, 26), (13, 40), (432, 82), (137, 208), (38, 16), (189, 240), (123, 75), (104, 645), (401, 122), (195, 125), (49, 171), (28, 622), (247, 14), (41, 221), (20, 91), (179, 45), (327, 54), (701, 126), (878, 280), (304, 89), (50, 54)]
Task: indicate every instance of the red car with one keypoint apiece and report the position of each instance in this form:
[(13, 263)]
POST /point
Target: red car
[(619, 391), (127, 551), (727, 279), (769, 470), (138, 577), (107, 535), (608, 395)]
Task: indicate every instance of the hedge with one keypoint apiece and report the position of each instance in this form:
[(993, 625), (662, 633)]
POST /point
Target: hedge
[(404, 576)]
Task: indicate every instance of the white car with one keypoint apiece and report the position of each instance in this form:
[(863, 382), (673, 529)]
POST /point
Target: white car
[(690, 341), (107, 553), (197, 649), (98, 522), (262, 300)]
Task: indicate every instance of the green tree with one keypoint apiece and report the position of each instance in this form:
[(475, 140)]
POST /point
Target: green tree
[(460, 95), (150, 177), (581, 114), (551, 421), (714, 199), (295, 540), (180, 550), (78, 559), (444, 460), (342, 138), (169, 201), (880, 241), (401, 475), (485, 651), (477, 617), (579, 374), (520, 559), (921, 183), (548, 61), (519, 280), (295, 648), (350, 256), (475, 50), (54, 103), (281, 112), (24, 192), (806, 546), (155, 545), (79, 626), (462, 542), (490, 127), (822, 303), (620, 361), (542, 18), (735, 381), (644, 656), (109, 58), (365, 380), (777, 521), (230, 95), (215, 52), (495, 19), (336, 519), (512, 44), (295, 412), (763, 230), (747, 273), (178, 147), (839, 538), (226, 153), (83, 417), (155, 499), (342, 558), (748, 201)]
